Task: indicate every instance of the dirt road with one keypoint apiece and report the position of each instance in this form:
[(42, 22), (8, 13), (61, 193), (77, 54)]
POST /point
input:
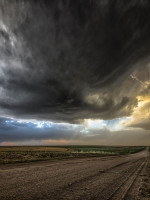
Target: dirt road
[(112, 177)]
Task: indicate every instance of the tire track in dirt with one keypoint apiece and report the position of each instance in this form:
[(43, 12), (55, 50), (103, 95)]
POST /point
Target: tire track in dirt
[(122, 191), (82, 179), (140, 190), (105, 178)]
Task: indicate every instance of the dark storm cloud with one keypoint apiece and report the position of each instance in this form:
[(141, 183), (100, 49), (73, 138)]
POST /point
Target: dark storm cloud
[(68, 60)]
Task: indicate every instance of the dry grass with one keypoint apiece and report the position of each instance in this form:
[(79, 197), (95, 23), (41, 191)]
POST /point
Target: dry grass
[(33, 148), (36, 153)]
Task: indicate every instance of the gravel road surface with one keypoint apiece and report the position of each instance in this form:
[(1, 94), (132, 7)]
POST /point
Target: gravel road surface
[(99, 178)]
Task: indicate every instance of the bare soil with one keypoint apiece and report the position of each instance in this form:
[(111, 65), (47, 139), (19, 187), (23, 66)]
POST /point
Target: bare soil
[(100, 178)]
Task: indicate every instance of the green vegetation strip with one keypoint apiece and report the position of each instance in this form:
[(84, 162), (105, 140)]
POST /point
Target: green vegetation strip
[(106, 150)]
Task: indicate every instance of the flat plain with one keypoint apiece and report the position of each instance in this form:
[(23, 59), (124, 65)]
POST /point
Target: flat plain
[(17, 154), (101, 176)]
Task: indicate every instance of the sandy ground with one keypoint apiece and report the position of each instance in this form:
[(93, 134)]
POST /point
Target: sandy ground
[(114, 177)]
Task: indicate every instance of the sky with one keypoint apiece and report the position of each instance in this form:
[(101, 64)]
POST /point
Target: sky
[(74, 72)]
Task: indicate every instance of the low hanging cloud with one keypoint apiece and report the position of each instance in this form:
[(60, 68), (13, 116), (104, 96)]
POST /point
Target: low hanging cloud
[(13, 132), (71, 60)]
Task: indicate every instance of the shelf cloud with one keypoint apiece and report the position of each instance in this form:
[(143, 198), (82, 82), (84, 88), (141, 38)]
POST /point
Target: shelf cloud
[(66, 61)]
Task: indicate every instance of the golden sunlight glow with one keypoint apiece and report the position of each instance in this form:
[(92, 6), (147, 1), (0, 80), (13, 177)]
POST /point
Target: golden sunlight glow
[(142, 100), (147, 84), (141, 111)]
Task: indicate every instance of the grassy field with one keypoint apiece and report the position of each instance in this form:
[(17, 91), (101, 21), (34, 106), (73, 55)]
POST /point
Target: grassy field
[(106, 150), (37, 153)]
